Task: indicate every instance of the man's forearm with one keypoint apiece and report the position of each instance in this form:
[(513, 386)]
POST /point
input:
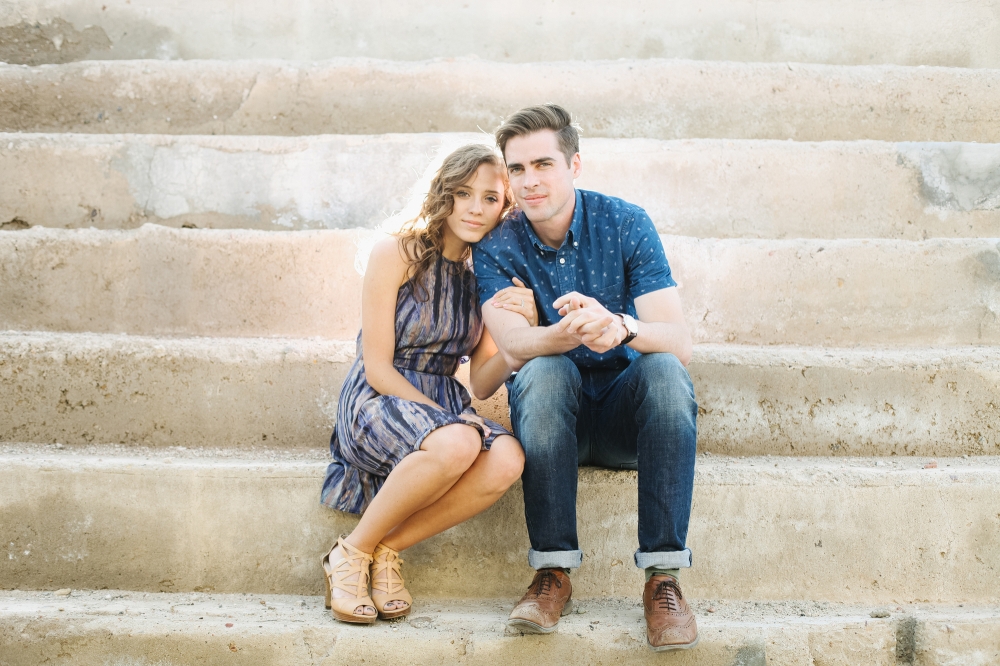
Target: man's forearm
[(520, 345), (658, 336)]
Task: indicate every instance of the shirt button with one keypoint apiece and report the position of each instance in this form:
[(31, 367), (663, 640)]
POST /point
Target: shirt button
[(562, 261), (575, 244)]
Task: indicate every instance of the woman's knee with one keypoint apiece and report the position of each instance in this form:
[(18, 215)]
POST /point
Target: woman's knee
[(455, 446), (507, 462)]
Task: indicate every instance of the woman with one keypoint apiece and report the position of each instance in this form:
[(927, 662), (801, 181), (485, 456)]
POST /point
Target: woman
[(408, 449)]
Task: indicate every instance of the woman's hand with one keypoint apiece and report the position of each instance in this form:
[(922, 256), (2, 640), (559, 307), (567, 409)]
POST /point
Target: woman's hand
[(475, 419), (519, 299)]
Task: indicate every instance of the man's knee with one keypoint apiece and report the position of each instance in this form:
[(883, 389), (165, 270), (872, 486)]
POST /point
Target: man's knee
[(546, 379), (663, 379)]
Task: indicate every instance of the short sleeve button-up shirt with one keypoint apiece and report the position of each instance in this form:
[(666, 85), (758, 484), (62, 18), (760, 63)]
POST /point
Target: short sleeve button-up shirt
[(612, 252)]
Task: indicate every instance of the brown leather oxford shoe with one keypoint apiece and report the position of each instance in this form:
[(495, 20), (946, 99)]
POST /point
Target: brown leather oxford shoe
[(670, 624), (548, 598)]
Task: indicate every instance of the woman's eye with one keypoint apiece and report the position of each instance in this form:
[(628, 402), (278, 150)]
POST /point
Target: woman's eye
[(492, 199), (461, 194)]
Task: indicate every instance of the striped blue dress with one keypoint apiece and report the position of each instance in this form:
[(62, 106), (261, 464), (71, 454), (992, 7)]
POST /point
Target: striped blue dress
[(438, 322)]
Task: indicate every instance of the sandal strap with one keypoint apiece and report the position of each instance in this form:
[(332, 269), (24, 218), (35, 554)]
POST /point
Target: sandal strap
[(353, 562), (387, 560)]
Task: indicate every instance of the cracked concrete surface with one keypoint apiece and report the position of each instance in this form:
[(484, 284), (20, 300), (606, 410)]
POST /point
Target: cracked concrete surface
[(852, 530), (701, 188), (238, 392), (122, 628), (161, 281), (653, 99), (957, 176), (858, 33)]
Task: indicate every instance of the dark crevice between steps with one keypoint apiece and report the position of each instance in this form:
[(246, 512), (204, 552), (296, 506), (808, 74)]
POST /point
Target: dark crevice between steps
[(906, 641), (16, 224)]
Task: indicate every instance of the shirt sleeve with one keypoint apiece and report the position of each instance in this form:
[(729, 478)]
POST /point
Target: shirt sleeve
[(491, 276), (646, 267)]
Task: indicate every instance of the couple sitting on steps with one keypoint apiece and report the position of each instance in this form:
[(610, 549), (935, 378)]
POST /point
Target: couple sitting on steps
[(573, 293)]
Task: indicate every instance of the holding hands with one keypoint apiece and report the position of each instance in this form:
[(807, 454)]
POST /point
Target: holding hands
[(518, 299), (589, 322)]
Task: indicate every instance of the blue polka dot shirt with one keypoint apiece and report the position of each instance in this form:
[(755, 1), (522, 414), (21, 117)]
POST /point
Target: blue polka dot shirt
[(612, 252)]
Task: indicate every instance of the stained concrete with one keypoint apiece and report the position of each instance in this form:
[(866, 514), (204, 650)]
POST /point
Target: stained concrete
[(120, 628), (961, 177), (230, 393), (847, 530), (856, 33), (702, 188), (653, 99), (161, 281), (53, 41)]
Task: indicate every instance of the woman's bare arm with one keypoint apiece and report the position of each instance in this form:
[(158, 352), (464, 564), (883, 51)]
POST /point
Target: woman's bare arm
[(386, 272), (489, 369)]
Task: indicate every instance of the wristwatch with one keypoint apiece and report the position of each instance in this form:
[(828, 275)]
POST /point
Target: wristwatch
[(631, 325)]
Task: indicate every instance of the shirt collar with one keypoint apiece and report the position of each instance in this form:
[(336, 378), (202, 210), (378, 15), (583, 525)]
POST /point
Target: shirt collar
[(574, 226)]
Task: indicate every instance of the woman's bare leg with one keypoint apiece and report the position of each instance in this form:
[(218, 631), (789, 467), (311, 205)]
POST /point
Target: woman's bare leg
[(420, 478), (479, 488)]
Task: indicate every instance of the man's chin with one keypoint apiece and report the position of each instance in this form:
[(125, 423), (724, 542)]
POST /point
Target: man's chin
[(536, 215)]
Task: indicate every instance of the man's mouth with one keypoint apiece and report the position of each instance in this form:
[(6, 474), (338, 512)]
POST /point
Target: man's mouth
[(534, 198)]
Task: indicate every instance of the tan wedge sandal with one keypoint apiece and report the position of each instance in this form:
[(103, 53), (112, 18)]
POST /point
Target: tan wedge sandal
[(387, 583), (337, 573)]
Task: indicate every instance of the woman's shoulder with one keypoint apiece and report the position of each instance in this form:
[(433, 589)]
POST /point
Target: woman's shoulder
[(388, 260)]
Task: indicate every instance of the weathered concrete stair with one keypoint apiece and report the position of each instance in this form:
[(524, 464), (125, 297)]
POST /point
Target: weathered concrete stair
[(701, 188), (294, 631), (856, 33), (157, 280), (76, 389), (851, 530), (654, 99)]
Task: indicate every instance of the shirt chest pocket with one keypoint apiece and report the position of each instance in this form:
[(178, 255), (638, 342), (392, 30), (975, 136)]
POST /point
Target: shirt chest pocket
[(611, 297)]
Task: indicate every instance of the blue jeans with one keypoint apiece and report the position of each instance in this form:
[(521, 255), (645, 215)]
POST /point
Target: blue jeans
[(642, 417)]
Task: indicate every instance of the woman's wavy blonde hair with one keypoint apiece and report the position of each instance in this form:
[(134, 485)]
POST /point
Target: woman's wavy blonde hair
[(422, 238)]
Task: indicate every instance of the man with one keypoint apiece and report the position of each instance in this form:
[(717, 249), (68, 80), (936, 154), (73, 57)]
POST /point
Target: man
[(601, 380)]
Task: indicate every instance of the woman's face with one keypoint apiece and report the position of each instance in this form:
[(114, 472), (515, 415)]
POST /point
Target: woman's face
[(478, 204)]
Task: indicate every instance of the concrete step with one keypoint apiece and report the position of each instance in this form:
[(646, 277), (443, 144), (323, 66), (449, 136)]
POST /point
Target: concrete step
[(769, 528), (702, 188), (233, 393), (124, 628), (161, 281), (39, 31), (655, 99), (121, 627)]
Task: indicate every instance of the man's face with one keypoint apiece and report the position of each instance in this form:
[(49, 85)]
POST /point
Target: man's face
[(540, 178)]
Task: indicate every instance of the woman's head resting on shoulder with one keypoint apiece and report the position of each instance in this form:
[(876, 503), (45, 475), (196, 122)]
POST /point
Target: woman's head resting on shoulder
[(468, 196)]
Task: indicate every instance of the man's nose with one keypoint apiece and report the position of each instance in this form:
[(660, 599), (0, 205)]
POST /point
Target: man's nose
[(530, 179)]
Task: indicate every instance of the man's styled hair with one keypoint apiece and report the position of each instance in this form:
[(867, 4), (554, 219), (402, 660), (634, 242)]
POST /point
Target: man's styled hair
[(535, 118)]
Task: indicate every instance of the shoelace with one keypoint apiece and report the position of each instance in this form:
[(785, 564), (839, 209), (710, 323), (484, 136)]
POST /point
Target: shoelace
[(667, 594), (544, 582)]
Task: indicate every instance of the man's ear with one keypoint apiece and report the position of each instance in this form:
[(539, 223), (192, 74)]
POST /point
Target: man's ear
[(576, 165)]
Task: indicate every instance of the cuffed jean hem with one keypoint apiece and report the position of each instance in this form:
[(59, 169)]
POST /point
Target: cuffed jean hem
[(557, 559), (680, 559)]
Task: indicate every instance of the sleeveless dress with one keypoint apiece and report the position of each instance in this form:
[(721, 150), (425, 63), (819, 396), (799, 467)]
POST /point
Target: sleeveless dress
[(438, 323)]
